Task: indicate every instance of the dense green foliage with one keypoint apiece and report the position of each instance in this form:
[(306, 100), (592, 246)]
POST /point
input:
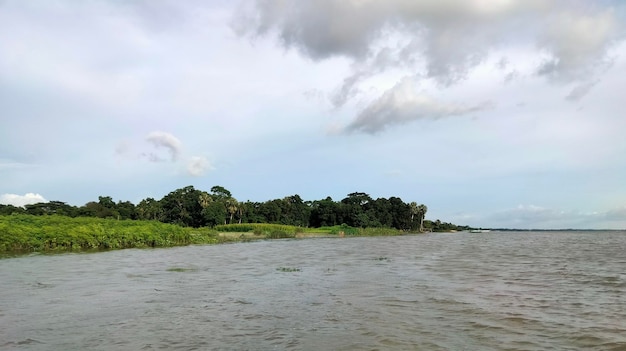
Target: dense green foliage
[(106, 224), (191, 207), (58, 233)]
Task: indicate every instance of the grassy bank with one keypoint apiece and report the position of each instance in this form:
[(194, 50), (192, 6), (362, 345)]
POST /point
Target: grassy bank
[(272, 231), (27, 233)]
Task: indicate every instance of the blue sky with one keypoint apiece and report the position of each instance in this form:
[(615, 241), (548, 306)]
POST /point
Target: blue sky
[(492, 113)]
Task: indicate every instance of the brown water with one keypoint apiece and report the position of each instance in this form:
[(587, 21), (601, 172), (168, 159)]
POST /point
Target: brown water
[(487, 291)]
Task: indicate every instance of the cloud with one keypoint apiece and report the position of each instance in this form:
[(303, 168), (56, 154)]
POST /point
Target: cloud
[(318, 29), (511, 76), (21, 200), (347, 90), (195, 165), (531, 216), (578, 43), (198, 166), (442, 40), (402, 104), (580, 91), (164, 140)]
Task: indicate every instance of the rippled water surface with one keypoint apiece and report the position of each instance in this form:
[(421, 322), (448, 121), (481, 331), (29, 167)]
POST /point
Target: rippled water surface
[(487, 291)]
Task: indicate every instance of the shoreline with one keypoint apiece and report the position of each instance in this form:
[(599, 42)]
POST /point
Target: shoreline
[(27, 234)]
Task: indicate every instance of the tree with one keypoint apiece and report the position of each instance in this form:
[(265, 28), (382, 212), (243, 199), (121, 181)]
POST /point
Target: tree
[(149, 209), (324, 213), (400, 213), (214, 213), (294, 211), (126, 210), (52, 207), (182, 207), (220, 192), (204, 199), (415, 215), (104, 208), (355, 210), (271, 211), (224, 197), (381, 208), (106, 202), (10, 209), (231, 207), (250, 212), (422, 214)]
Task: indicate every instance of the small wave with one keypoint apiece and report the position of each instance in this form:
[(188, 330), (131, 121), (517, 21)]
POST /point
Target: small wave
[(614, 346), (28, 341)]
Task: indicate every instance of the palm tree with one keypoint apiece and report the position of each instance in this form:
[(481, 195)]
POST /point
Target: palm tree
[(422, 212), (231, 207), (414, 211), (241, 210), (204, 199)]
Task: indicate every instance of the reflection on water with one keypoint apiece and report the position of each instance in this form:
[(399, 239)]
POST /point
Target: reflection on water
[(486, 291)]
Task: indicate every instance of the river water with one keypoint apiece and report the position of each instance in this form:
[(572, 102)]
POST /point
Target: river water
[(483, 291)]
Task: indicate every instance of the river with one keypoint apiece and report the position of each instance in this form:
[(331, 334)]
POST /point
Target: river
[(462, 291)]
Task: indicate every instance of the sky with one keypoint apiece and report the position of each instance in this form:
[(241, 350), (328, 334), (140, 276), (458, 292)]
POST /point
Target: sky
[(492, 113)]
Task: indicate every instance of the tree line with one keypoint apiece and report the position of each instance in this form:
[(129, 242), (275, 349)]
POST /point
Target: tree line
[(191, 207)]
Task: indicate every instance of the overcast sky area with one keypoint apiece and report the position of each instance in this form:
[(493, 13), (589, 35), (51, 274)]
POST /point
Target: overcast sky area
[(499, 113)]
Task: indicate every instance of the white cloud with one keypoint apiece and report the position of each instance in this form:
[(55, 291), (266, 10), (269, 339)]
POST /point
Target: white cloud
[(403, 104), (21, 200), (172, 152), (198, 166), (167, 141)]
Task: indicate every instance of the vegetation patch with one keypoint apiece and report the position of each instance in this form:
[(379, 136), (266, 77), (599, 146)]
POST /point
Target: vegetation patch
[(27, 233), (269, 231), (181, 269), (288, 269)]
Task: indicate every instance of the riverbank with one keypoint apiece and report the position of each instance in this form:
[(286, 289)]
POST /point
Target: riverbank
[(27, 233)]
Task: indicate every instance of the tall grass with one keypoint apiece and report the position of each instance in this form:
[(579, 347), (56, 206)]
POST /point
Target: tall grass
[(288, 230), (352, 231), (25, 233), (270, 231), (378, 232)]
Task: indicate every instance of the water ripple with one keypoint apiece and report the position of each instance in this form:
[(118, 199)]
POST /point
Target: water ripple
[(486, 291)]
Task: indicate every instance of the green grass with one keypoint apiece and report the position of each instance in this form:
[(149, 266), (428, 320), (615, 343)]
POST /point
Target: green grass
[(351, 231), (269, 231), (274, 231), (25, 233), (379, 232)]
